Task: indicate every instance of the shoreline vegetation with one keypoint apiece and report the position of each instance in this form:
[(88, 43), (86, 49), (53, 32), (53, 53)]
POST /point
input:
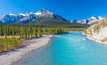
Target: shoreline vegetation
[(18, 40), (14, 36), (17, 55)]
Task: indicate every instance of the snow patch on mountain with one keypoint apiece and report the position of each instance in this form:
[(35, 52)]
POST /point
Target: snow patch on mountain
[(10, 14), (38, 13), (100, 18), (22, 14), (25, 14)]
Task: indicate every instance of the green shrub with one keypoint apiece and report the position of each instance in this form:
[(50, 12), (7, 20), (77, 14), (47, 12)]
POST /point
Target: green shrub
[(103, 40)]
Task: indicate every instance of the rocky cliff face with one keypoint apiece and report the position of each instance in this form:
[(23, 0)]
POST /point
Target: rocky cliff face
[(98, 31)]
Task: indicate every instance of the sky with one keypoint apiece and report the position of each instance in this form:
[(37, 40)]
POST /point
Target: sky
[(69, 9)]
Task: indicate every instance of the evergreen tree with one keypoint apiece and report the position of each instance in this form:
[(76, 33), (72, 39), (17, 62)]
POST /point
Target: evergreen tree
[(106, 18), (21, 32), (25, 35), (40, 31), (5, 37)]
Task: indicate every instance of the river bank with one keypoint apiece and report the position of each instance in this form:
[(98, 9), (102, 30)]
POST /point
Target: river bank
[(15, 56), (91, 38), (68, 49)]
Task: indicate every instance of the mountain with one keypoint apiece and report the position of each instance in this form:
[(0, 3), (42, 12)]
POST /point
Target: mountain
[(25, 18), (48, 20), (89, 20), (10, 18)]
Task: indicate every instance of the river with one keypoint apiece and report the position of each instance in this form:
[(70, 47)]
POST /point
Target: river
[(68, 49)]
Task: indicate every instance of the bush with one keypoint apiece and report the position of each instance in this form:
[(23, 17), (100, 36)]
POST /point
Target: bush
[(103, 40), (85, 31)]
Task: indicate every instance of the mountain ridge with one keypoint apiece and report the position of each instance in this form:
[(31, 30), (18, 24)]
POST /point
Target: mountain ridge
[(28, 16), (90, 20), (25, 18)]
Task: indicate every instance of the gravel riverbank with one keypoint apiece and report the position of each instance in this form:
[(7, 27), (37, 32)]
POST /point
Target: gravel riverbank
[(14, 56)]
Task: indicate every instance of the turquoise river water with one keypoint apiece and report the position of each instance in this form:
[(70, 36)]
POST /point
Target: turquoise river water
[(68, 49)]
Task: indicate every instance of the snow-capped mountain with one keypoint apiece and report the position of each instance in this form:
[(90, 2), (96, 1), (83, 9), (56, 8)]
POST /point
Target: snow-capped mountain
[(10, 14), (9, 17), (89, 20), (28, 16)]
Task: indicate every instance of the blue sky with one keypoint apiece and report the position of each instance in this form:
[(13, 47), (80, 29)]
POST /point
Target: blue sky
[(69, 9)]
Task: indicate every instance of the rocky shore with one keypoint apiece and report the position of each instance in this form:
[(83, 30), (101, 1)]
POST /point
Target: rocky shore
[(12, 57), (93, 39)]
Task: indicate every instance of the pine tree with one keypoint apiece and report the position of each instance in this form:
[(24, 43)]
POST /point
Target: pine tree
[(5, 37), (40, 32), (25, 35), (35, 32), (21, 32), (13, 30)]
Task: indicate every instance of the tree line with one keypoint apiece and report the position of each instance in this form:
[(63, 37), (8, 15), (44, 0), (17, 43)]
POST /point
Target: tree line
[(27, 32)]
